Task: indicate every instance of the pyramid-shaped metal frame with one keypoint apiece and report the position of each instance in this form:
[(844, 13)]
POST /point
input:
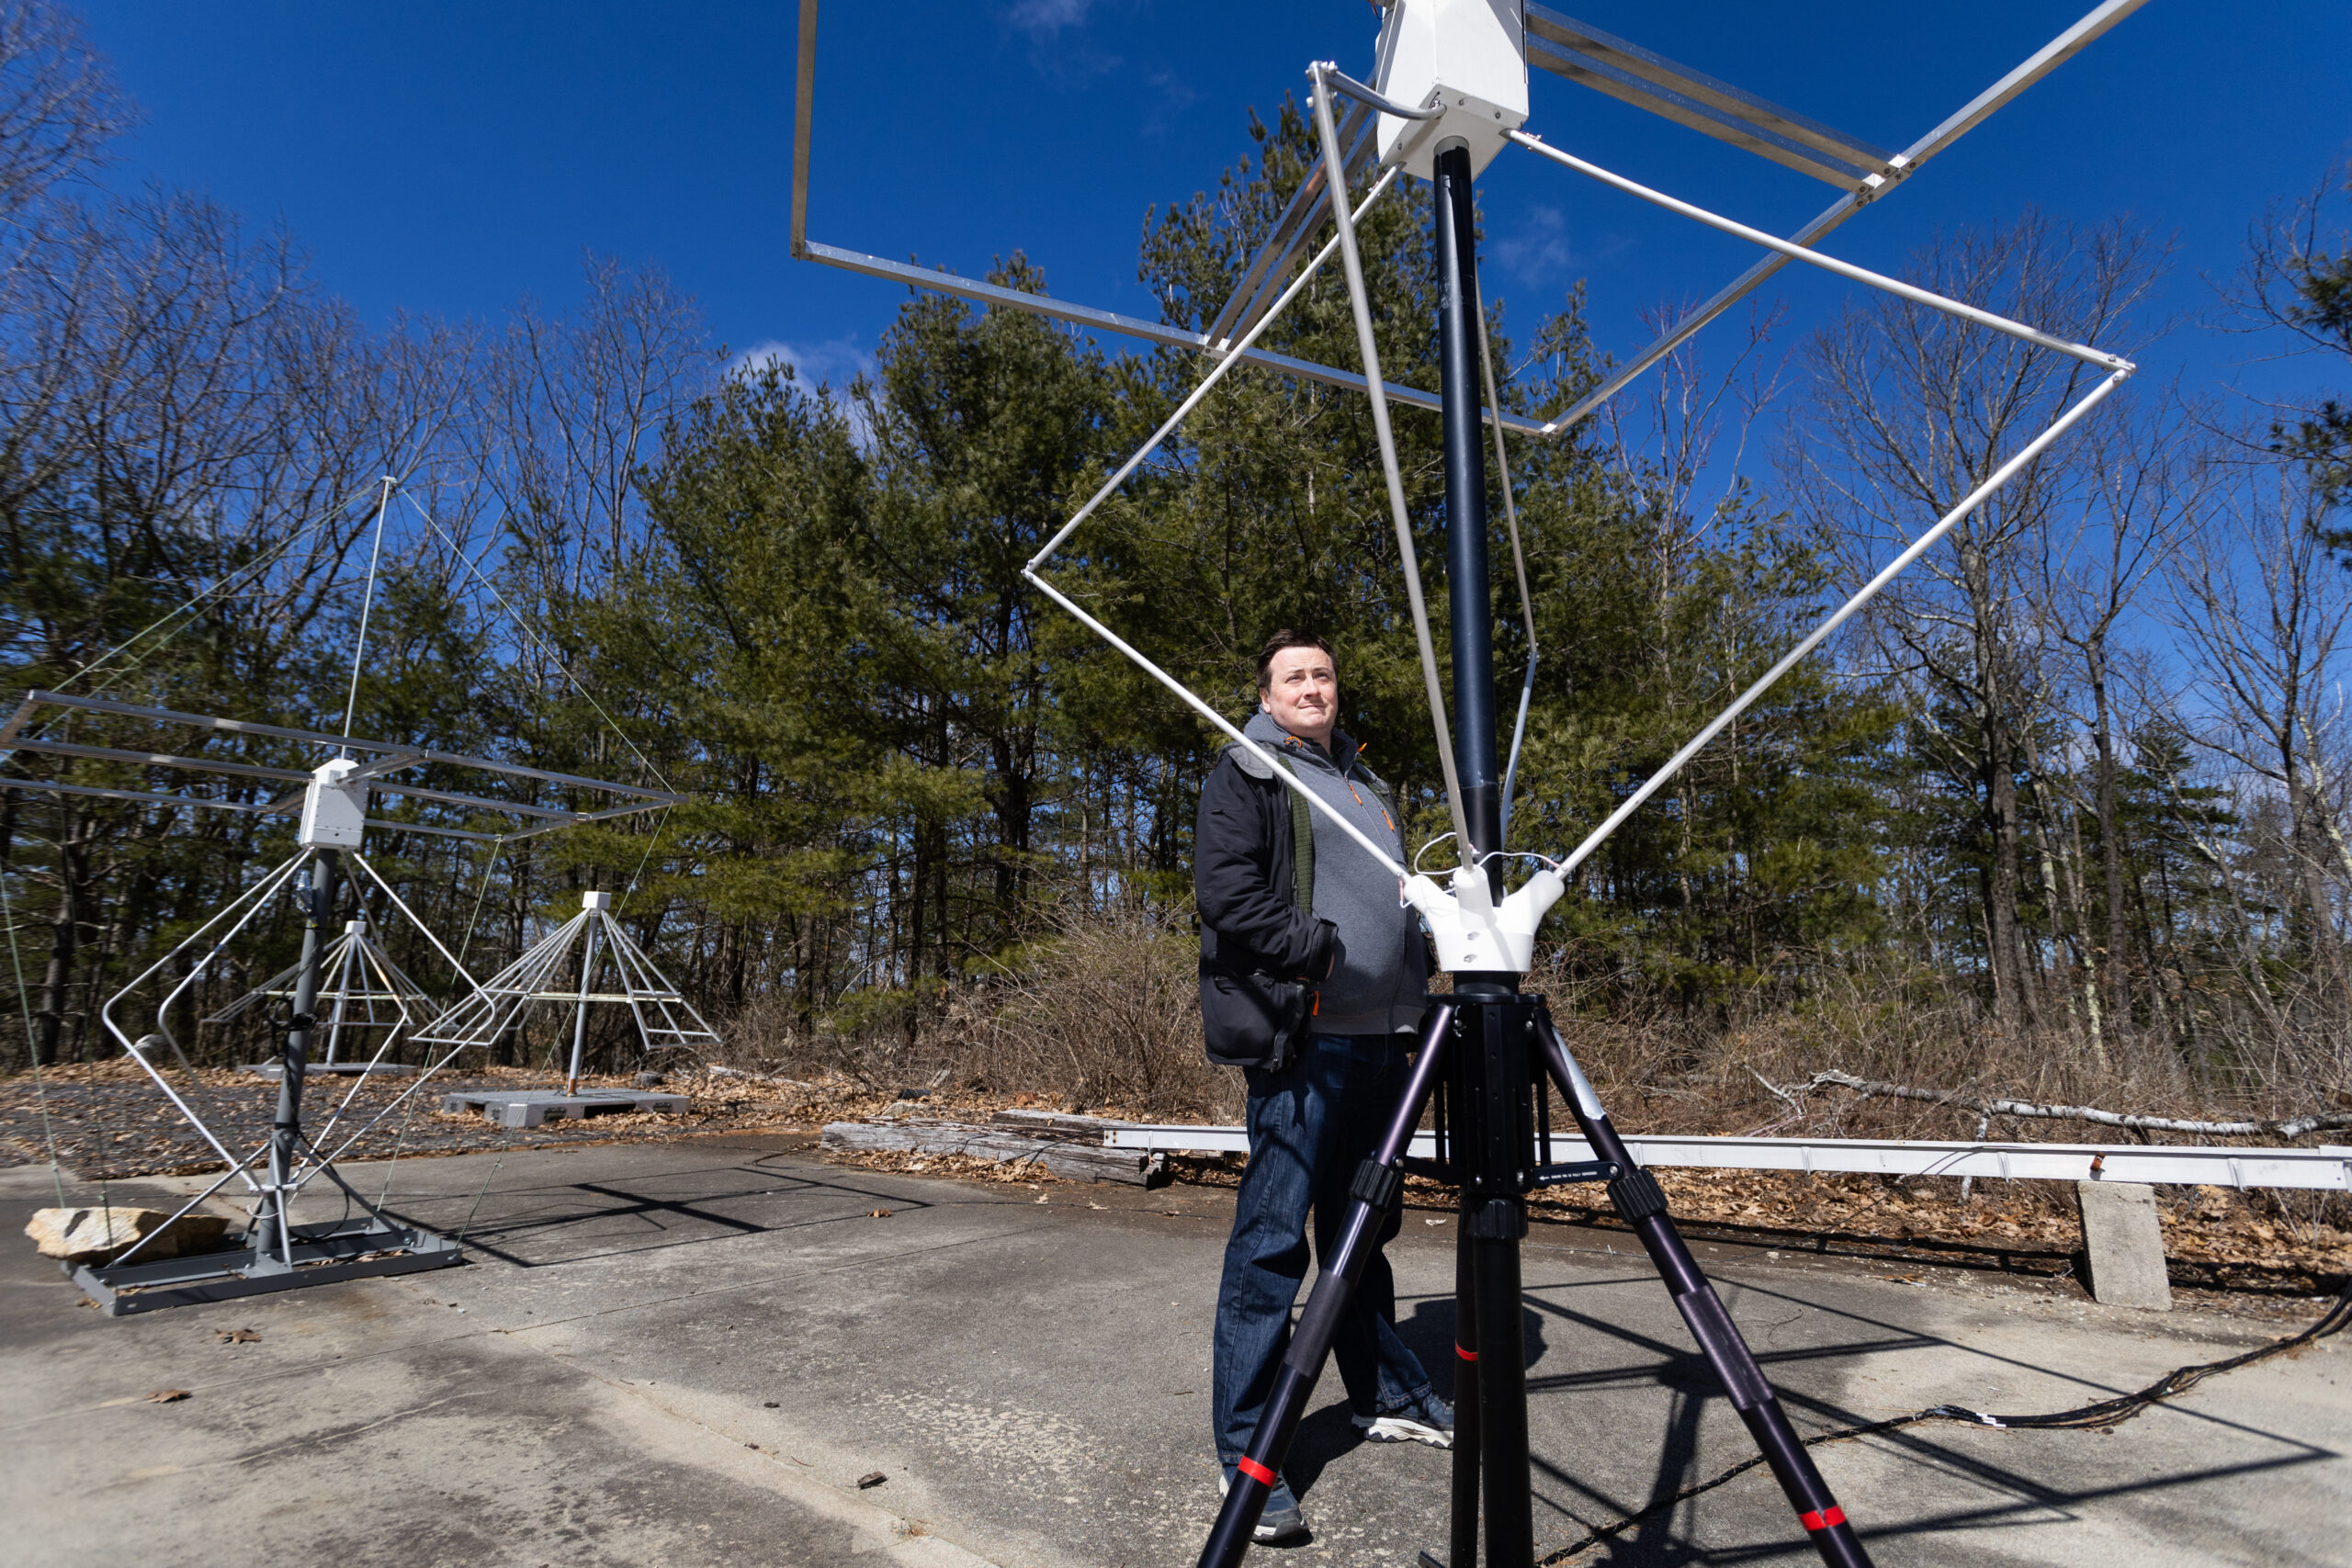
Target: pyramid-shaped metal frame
[(360, 989), (665, 1019)]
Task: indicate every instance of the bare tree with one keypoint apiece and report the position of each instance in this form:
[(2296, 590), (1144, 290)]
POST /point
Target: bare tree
[(58, 103), (1911, 410), (2142, 486), (2265, 616), (567, 405)]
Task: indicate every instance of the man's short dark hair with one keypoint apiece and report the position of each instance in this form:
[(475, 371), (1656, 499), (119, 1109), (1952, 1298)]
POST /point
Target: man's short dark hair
[(1288, 637)]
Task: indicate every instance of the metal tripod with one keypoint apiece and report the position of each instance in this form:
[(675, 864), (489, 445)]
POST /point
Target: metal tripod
[(1487, 1052), (1492, 1046)]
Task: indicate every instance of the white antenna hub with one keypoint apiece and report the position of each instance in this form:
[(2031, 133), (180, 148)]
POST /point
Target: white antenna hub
[(334, 814), (1466, 57), (595, 900), (1472, 933)]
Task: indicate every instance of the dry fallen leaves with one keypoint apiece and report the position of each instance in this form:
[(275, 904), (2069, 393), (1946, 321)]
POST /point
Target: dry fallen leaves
[(167, 1395), (877, 1213), (871, 1478), (237, 1336)]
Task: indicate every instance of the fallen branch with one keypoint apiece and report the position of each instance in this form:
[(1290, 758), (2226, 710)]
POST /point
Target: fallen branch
[(2290, 1127), (1085, 1162), (720, 1072)]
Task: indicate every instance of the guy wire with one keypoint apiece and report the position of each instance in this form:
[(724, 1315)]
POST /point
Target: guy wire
[(466, 943), (505, 1138), (400, 1136), (652, 840), (524, 625), (268, 558), (367, 603)]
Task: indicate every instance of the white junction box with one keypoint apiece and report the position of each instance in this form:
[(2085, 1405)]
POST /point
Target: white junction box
[(1472, 932), (334, 814), (1468, 57)]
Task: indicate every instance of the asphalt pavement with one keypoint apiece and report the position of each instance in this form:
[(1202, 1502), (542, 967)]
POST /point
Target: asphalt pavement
[(692, 1352)]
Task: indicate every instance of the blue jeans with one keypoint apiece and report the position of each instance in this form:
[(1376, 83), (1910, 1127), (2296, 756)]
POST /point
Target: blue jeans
[(1310, 1126)]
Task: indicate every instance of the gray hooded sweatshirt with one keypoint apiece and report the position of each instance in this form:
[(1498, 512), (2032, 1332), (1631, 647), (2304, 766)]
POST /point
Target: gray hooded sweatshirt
[(1378, 986)]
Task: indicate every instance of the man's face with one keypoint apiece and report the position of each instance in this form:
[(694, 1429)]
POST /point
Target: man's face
[(1303, 694)]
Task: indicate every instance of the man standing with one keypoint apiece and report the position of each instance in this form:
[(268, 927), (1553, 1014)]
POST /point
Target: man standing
[(1312, 975)]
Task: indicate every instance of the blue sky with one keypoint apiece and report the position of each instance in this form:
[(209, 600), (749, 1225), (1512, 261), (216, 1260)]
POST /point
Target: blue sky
[(451, 158)]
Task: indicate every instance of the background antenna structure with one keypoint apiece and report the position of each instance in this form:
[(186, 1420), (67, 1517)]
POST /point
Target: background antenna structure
[(330, 811), (360, 990), (665, 1021)]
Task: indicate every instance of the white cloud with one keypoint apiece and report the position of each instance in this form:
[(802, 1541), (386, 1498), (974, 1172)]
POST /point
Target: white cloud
[(1539, 249), (1544, 252), (1043, 19), (834, 363), (1066, 60)]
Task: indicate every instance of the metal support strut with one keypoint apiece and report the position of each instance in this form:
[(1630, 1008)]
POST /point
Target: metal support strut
[(270, 1219), (1643, 1206)]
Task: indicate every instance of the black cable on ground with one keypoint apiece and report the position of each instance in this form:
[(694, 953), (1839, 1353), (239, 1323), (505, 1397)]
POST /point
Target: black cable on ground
[(2106, 1413)]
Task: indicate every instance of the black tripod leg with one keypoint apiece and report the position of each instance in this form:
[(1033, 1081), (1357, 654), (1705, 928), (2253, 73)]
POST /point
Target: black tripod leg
[(1502, 1389), (1464, 1546), (1377, 1184), (1638, 1197)]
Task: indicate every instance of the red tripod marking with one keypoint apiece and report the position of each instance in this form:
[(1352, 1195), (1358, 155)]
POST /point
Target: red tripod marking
[(1466, 1355), (1264, 1477), (1823, 1518)]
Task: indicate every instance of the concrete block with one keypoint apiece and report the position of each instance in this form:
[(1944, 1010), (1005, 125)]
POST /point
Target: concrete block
[(2125, 1244), (530, 1107)]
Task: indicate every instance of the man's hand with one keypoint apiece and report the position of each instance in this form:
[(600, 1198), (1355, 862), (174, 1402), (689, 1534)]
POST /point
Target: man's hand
[(1338, 949)]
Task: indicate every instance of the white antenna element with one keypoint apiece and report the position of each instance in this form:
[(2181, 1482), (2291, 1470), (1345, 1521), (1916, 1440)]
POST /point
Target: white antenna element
[(506, 997), (1467, 59), (1455, 70)]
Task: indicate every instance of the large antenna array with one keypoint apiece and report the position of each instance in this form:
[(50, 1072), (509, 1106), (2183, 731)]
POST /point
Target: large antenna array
[(330, 803), (1448, 93)]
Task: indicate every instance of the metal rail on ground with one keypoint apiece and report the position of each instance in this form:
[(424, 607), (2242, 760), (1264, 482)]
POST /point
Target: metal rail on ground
[(2327, 1168)]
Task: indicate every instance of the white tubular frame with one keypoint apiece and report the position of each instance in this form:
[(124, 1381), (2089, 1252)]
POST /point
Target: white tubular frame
[(251, 900), (1343, 241), (1218, 719), (1360, 303), (1324, 76), (1232, 357), (1894, 285), (244, 906), (499, 1001), (2042, 62), (1870, 590), (431, 1069)]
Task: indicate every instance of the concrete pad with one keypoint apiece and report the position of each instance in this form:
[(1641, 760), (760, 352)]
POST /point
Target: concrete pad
[(1032, 1377), (2126, 1245)]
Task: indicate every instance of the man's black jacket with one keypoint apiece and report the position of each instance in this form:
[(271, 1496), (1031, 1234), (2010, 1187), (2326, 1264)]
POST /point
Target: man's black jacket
[(1243, 872)]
